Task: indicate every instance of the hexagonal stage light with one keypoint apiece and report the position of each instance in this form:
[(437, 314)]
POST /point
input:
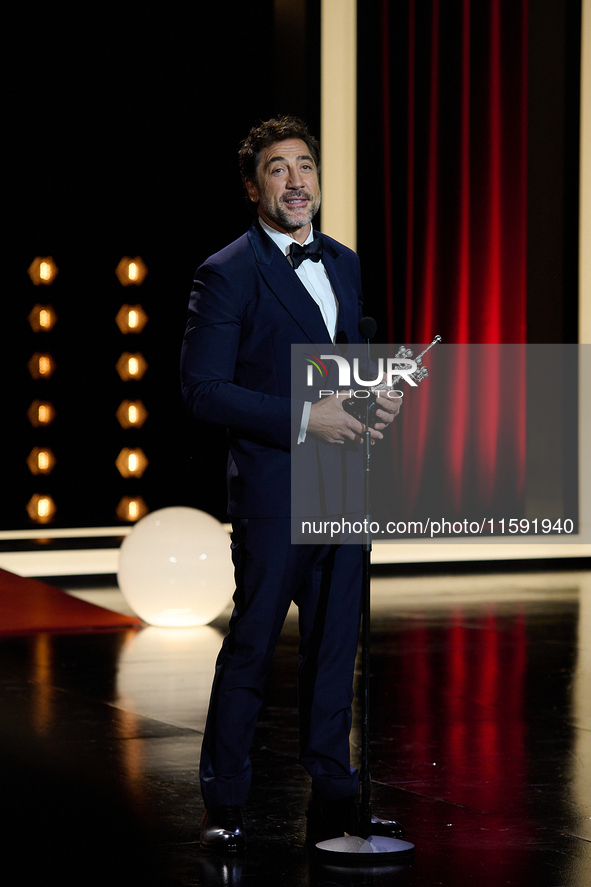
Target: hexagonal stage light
[(42, 270), (41, 366), (41, 509), (42, 318), (131, 508), (131, 366), (131, 414), (131, 463), (131, 272), (41, 413), (131, 319), (41, 460)]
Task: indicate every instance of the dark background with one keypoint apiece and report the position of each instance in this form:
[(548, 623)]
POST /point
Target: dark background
[(123, 128), (126, 121)]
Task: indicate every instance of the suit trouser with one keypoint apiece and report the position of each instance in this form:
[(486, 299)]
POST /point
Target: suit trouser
[(325, 582)]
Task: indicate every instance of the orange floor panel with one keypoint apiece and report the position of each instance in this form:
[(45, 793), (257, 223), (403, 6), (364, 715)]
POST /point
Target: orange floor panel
[(29, 605)]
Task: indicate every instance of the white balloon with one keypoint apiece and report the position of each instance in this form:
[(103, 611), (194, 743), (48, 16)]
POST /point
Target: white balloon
[(175, 568)]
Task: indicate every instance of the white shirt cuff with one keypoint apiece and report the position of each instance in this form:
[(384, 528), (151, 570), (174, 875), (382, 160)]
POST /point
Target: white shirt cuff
[(304, 422)]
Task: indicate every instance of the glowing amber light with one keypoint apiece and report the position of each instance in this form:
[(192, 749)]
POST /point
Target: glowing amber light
[(131, 414), (41, 366), (41, 413), (41, 509), (42, 318), (42, 270), (131, 272), (131, 318), (131, 366), (41, 461), (131, 508), (131, 463)]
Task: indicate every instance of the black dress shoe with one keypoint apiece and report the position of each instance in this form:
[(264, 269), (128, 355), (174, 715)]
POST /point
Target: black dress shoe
[(333, 819), (386, 828), (330, 819), (222, 829)]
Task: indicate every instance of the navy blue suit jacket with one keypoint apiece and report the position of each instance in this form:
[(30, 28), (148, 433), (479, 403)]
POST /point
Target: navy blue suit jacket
[(246, 309)]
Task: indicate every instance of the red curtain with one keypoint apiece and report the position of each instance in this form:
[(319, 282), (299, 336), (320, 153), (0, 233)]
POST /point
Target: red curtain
[(464, 119), (466, 146)]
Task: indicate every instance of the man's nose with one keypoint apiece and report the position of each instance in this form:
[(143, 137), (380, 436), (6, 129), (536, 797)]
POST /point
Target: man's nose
[(294, 179)]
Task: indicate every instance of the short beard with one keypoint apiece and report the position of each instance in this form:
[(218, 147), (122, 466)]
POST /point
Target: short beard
[(282, 217)]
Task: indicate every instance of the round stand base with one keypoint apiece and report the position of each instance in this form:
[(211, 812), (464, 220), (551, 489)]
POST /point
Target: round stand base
[(368, 852)]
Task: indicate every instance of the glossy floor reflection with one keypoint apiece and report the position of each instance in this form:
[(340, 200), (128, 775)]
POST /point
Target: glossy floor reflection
[(481, 724)]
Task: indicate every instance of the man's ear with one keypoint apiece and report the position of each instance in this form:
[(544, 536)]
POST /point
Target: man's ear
[(251, 190)]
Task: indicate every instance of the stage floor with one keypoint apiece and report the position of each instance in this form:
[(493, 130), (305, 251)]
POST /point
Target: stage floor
[(481, 743)]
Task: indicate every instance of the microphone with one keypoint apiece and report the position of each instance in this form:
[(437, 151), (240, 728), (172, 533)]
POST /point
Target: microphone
[(367, 327)]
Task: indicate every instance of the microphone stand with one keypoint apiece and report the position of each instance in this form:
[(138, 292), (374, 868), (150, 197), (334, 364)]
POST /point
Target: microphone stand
[(367, 849), (365, 806)]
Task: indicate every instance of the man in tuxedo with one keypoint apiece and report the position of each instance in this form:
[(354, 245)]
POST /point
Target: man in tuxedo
[(280, 284)]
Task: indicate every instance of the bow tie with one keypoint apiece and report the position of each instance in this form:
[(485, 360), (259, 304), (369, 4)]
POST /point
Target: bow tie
[(311, 251)]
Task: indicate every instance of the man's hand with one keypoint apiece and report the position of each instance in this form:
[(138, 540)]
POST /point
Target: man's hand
[(389, 407), (329, 421)]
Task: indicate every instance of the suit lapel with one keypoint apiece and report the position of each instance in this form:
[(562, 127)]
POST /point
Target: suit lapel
[(287, 287), (347, 317)]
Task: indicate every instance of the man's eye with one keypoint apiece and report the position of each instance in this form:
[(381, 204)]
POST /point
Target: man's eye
[(278, 169)]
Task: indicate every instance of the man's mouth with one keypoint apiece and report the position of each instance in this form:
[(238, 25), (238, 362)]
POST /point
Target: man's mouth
[(295, 201)]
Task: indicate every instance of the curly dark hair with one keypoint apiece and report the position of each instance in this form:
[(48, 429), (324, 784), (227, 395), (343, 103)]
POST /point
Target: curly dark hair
[(278, 129)]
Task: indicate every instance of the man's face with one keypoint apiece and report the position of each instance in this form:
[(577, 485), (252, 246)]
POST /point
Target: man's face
[(287, 190)]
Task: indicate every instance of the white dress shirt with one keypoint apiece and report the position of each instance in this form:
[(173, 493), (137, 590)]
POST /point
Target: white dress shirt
[(312, 274), (314, 277)]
